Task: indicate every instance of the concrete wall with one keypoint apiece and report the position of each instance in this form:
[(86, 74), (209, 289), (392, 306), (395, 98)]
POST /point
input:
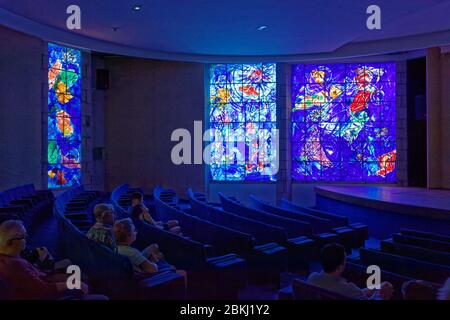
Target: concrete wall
[(21, 74), (146, 101)]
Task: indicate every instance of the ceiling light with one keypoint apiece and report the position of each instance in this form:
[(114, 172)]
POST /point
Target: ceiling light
[(137, 7)]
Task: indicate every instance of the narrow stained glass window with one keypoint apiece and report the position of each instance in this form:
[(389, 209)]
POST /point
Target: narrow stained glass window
[(64, 117)]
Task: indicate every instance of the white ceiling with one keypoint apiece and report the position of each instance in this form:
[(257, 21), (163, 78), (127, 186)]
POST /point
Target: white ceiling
[(216, 30)]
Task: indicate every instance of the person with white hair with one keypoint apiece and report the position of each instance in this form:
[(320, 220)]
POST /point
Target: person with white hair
[(24, 281), (150, 260), (40, 256)]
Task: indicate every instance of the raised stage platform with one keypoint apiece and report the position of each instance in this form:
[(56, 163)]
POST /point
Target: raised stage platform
[(386, 209)]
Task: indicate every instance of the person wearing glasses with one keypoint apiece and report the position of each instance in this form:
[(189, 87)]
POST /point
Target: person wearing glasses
[(40, 257), (25, 281)]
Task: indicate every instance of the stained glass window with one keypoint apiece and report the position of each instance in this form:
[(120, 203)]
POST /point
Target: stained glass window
[(343, 122), (243, 122), (64, 116)]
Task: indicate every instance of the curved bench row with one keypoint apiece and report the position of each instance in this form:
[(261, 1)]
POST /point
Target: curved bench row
[(109, 272), (26, 202), (210, 276)]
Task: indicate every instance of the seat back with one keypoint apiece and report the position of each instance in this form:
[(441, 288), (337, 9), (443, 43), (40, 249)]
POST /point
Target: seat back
[(319, 225), (118, 192), (422, 242), (357, 274), (97, 261), (426, 235), (337, 220), (305, 291), (292, 227), (224, 240), (414, 252), (262, 232), (184, 253), (406, 266)]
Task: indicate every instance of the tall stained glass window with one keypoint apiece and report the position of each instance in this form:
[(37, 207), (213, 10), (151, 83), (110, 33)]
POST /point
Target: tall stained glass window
[(64, 116), (243, 122), (343, 122)]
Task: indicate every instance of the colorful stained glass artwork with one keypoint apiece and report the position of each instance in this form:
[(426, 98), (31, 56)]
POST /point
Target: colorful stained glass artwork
[(64, 117), (243, 122), (343, 122)]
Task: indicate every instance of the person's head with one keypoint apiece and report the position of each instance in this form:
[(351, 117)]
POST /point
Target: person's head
[(125, 231), (13, 237), (418, 290), (333, 258), (8, 216), (104, 213), (444, 292), (137, 198), (138, 212)]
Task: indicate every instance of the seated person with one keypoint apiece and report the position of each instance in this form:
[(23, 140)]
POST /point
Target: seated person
[(140, 212), (333, 263), (418, 290), (102, 231), (40, 257), (149, 261), (24, 281)]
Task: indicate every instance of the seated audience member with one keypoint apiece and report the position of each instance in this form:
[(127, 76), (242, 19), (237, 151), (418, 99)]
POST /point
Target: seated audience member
[(40, 257), (102, 230), (136, 198), (150, 260), (333, 263), (140, 212), (418, 290), (24, 281), (444, 292)]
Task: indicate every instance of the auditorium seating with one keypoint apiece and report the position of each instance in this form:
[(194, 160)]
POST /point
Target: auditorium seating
[(109, 272), (422, 242), (304, 291), (337, 221), (26, 202), (267, 259), (211, 276), (415, 252), (426, 235), (417, 269), (322, 227), (354, 273), (78, 209), (301, 246)]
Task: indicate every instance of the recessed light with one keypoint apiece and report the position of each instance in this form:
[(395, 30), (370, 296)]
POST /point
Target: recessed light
[(137, 7), (261, 28)]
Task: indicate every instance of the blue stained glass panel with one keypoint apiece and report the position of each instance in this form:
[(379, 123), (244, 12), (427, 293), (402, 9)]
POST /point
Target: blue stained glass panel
[(243, 120), (64, 116), (344, 122)]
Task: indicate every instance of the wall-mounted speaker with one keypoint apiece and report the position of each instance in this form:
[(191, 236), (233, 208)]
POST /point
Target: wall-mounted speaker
[(102, 79), (98, 153)]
